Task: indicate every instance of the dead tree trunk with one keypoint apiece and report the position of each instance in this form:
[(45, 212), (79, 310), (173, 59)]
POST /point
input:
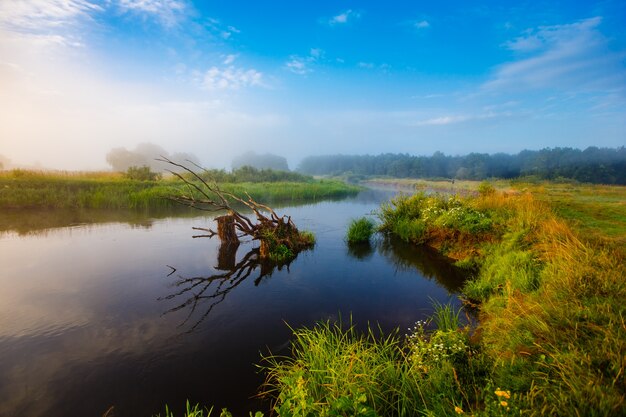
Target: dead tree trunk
[(226, 228), (278, 235)]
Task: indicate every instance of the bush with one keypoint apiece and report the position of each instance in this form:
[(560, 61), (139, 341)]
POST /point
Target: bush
[(142, 173), (485, 188), (360, 230)]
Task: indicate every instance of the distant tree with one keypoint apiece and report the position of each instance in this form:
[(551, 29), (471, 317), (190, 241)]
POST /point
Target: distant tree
[(144, 154), (5, 162), (121, 159), (265, 161), (598, 165)]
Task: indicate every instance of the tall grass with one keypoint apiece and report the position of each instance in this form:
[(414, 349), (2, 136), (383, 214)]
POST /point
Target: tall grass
[(551, 302), (336, 370), (360, 230), (32, 189)]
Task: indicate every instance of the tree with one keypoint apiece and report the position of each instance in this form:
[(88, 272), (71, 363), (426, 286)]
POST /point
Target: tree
[(145, 154), (279, 237), (265, 161)]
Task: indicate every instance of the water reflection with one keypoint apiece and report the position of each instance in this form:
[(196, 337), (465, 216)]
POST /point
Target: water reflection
[(361, 251), (201, 294), (427, 261)]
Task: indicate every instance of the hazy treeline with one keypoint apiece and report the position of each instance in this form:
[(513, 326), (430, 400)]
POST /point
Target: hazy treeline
[(595, 165), (145, 154), (251, 174), (263, 161)]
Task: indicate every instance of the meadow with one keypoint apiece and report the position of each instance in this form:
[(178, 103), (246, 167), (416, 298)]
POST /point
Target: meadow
[(547, 286), (21, 189)]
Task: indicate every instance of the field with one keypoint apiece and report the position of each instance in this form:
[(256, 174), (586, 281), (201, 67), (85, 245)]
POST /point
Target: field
[(596, 211), (60, 190)]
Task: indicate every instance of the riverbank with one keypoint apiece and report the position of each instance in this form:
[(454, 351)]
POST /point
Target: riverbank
[(551, 339), (31, 189)]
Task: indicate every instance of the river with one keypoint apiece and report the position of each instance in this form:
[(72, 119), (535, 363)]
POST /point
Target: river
[(126, 313)]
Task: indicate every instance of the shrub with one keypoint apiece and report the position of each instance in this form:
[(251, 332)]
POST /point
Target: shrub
[(485, 188), (142, 173), (360, 230)]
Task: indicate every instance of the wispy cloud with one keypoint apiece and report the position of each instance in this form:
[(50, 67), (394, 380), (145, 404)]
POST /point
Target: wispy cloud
[(422, 24), (220, 29), (344, 17), (46, 22), (572, 57), (167, 12), (231, 78), (299, 65), (39, 15), (302, 65), (450, 119), (229, 59)]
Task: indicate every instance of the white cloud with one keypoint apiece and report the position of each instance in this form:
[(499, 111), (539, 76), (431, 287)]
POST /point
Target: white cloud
[(47, 23), (219, 29), (231, 78), (302, 65), (168, 12), (571, 57), (459, 118), (442, 120), (423, 24), (344, 17), (229, 59), (298, 65), (41, 15), (367, 65)]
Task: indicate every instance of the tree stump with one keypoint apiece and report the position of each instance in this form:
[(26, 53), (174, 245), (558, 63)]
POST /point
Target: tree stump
[(226, 228)]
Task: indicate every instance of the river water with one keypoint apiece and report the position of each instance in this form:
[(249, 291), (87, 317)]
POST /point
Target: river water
[(124, 313)]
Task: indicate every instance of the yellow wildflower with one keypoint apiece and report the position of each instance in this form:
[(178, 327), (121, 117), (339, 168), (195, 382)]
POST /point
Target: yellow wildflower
[(505, 394), (458, 410), (503, 403)]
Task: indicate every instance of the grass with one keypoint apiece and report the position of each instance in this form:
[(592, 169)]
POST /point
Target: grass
[(550, 296), (360, 230), (21, 189), (335, 370), (197, 411)]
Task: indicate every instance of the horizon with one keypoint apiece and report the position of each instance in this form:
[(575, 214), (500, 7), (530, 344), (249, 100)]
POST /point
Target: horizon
[(79, 78)]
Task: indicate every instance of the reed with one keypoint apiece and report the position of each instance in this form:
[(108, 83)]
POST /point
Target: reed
[(360, 230), (31, 189)]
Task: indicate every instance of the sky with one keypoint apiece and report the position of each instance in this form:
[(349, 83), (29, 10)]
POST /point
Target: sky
[(216, 78)]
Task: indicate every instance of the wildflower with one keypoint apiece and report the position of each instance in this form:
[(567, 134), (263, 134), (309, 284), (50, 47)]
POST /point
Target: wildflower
[(505, 394), (458, 410), (504, 403)]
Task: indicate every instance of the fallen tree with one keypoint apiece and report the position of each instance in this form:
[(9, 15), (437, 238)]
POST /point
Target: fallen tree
[(279, 238)]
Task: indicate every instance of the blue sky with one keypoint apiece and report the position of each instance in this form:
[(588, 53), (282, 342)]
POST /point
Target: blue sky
[(215, 78)]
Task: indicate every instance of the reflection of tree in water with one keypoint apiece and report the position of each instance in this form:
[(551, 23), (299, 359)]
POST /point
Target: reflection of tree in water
[(430, 263), (201, 294)]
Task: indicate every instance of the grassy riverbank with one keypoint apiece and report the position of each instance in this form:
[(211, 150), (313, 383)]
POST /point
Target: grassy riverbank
[(551, 339), (31, 189), (549, 289)]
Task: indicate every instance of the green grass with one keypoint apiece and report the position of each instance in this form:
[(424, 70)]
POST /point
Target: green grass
[(550, 295), (335, 370), (197, 411), (30, 189), (360, 230)]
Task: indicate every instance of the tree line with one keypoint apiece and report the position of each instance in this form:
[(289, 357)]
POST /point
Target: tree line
[(593, 164)]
